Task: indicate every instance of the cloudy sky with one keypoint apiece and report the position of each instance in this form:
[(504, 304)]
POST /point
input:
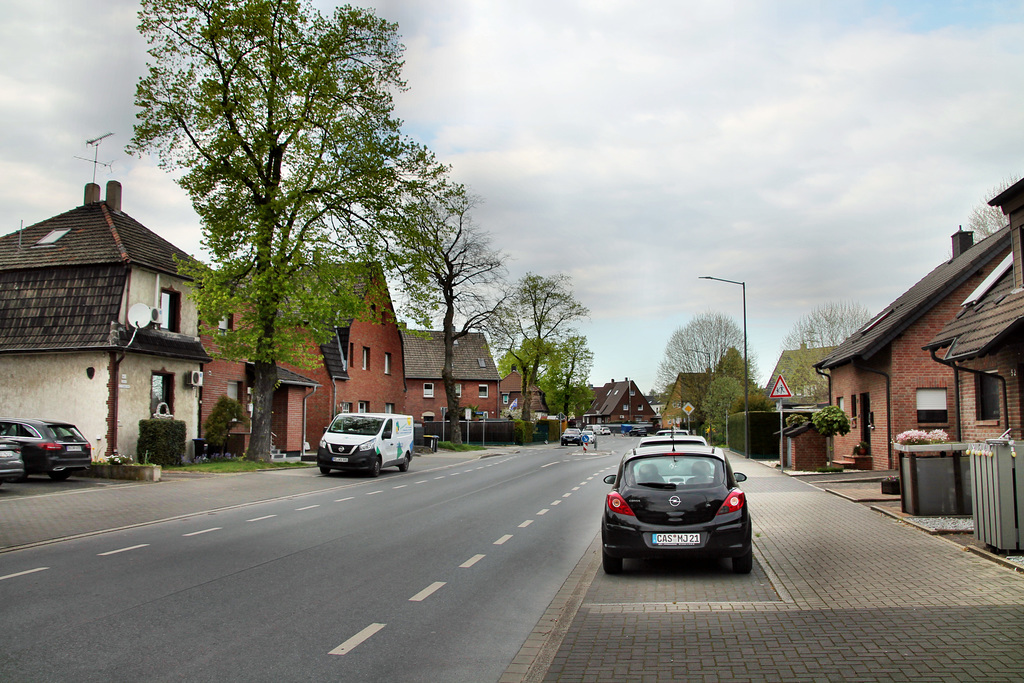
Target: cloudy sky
[(818, 151)]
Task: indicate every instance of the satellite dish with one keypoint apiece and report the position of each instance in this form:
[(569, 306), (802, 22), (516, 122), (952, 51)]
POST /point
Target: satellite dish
[(141, 315)]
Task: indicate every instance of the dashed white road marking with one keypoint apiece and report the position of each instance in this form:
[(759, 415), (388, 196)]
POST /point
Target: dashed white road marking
[(566, 495), (356, 640), (308, 507), (421, 481), (548, 465), (374, 493), (342, 500), (501, 541), (123, 550), (204, 531), (526, 524), (543, 512), (400, 486), (260, 519), (471, 561), (27, 571), (427, 592), (555, 502)]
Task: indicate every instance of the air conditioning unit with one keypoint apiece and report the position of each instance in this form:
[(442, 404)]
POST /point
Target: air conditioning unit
[(194, 378)]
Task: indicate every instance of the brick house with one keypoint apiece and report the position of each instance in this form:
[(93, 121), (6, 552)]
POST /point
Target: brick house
[(359, 369), (983, 345), (476, 374), (96, 325), (511, 388), (621, 402), (884, 378)]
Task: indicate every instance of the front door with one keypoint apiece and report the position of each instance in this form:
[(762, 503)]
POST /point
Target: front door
[(865, 421)]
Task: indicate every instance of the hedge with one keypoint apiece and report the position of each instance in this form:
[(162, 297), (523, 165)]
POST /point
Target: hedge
[(161, 442), (764, 434)]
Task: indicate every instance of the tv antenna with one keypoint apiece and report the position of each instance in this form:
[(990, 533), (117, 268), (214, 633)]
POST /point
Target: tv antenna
[(95, 142)]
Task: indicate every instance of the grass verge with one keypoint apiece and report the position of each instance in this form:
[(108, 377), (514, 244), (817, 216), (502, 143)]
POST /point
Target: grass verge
[(234, 465)]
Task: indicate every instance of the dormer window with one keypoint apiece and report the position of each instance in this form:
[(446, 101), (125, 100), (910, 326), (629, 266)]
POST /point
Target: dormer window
[(52, 237)]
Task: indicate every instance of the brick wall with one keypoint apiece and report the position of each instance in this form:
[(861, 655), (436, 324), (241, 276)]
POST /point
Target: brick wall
[(1008, 364), (809, 451), (417, 405)]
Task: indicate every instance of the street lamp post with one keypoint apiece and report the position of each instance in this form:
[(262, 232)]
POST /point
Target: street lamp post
[(746, 368)]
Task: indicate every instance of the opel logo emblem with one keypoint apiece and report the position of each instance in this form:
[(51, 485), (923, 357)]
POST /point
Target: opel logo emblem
[(674, 501)]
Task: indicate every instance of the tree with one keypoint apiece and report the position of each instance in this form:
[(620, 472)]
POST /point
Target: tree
[(984, 219), (564, 379), (699, 346), (454, 274), (721, 394), (828, 324), (535, 318), (282, 120), (226, 413)]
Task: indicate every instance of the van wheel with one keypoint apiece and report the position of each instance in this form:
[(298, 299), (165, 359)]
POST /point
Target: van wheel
[(374, 470), (59, 476), (325, 470), (404, 465)]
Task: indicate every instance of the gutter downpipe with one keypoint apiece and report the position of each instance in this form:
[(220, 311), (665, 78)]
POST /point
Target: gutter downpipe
[(1002, 381), (828, 376), (888, 407)]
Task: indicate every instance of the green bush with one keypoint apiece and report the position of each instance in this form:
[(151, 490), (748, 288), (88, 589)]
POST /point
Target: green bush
[(831, 421), (226, 413), (161, 442), (523, 432)]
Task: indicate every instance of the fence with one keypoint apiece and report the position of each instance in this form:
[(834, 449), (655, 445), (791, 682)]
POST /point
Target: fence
[(478, 432)]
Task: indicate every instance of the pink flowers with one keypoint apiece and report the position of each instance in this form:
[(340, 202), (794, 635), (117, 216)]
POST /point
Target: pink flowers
[(913, 437)]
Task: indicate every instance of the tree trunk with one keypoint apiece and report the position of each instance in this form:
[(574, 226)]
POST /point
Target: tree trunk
[(264, 382)]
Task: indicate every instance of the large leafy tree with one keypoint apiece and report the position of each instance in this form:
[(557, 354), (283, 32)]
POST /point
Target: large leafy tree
[(455, 276), (537, 316), (564, 377), (281, 119)]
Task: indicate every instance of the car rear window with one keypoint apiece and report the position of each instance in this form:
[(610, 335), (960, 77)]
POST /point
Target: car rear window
[(67, 433), (678, 470)]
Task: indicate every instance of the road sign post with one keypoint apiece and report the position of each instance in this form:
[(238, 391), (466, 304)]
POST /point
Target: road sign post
[(780, 391)]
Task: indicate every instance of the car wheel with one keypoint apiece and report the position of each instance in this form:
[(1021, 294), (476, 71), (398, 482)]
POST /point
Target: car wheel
[(374, 470), (59, 476), (744, 563), (404, 465), (611, 565), (325, 470)]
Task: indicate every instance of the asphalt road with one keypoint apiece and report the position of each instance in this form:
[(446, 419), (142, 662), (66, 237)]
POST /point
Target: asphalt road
[(424, 576)]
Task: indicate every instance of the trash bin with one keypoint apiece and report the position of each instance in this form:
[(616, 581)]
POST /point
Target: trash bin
[(198, 449), (430, 441), (998, 494), (934, 483)]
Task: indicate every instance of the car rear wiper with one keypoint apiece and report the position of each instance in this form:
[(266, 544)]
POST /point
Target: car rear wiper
[(657, 484)]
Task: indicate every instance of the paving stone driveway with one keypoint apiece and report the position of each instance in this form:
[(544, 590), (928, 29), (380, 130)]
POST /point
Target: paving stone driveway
[(839, 593)]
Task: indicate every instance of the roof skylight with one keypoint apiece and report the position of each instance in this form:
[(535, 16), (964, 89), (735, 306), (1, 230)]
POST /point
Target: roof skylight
[(52, 237)]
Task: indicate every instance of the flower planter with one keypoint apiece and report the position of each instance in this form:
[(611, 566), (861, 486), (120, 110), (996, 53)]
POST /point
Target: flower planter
[(891, 487), (936, 479), (129, 472)]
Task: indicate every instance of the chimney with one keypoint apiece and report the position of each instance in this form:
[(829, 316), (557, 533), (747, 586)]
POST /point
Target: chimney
[(962, 241), (114, 196), (92, 193)]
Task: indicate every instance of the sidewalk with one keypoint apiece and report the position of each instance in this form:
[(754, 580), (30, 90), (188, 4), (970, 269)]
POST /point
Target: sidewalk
[(839, 592)]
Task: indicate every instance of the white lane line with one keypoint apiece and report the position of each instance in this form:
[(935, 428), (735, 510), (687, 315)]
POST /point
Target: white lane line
[(27, 571), (342, 500), (122, 550), (427, 592), (356, 640), (260, 519), (501, 541), (204, 531), (555, 502), (421, 481), (399, 487), (548, 465), (543, 512), (575, 488), (436, 478), (374, 493), (471, 561), (526, 524), (566, 495), (308, 507)]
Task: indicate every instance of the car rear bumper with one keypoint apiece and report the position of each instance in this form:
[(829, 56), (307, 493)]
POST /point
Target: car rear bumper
[(728, 539)]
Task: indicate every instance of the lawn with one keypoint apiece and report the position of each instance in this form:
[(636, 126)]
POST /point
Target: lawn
[(234, 465)]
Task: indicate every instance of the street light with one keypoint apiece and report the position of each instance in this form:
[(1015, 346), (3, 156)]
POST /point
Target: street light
[(746, 368)]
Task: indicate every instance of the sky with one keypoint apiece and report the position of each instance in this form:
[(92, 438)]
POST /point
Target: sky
[(817, 151)]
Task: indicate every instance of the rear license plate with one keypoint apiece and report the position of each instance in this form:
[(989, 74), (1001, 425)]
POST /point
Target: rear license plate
[(675, 539), (339, 459), (73, 449)]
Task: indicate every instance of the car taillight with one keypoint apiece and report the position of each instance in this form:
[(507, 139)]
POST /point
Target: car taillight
[(733, 502), (617, 503), (50, 446)]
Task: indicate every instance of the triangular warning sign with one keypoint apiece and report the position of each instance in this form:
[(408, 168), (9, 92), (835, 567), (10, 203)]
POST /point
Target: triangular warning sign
[(780, 390)]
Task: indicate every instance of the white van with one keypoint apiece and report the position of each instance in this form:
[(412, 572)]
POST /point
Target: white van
[(366, 441)]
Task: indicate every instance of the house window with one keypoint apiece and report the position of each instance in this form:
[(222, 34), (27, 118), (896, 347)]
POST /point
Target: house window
[(931, 405), (504, 399), (482, 390), (389, 407), (632, 391), (428, 417), (226, 324), (364, 406), (366, 358), (346, 407), (625, 408), (853, 405), (234, 390), (162, 393), (458, 390), (987, 391), (841, 402), (170, 310), (428, 390), (387, 363)]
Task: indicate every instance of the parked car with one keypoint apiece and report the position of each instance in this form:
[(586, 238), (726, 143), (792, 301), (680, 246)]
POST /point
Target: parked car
[(670, 432), (366, 441), (12, 467), (676, 503), (660, 439), (602, 430), (590, 436), (572, 437), (638, 431), (47, 447)]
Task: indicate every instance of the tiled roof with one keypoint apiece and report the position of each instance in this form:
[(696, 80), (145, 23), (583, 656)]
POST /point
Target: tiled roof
[(286, 376), (895, 318), (424, 356), (156, 342), (95, 235), (981, 327)]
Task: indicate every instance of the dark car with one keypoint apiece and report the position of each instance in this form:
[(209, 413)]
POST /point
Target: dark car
[(676, 504), (572, 437), (47, 447), (11, 466), (638, 431)]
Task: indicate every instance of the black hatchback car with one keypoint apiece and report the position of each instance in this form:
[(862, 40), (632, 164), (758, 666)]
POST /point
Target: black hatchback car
[(676, 504), (57, 449)]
